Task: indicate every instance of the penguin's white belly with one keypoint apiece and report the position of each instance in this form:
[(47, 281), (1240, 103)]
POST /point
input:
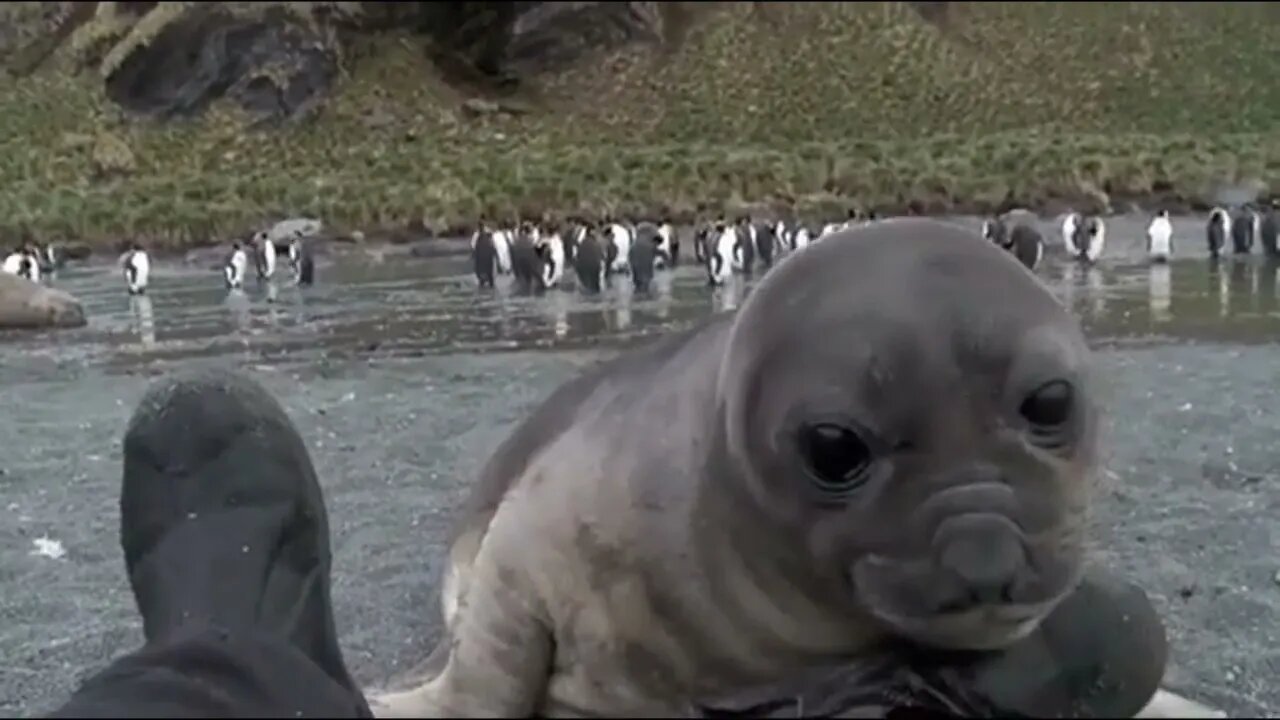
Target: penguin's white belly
[(502, 250), (621, 239)]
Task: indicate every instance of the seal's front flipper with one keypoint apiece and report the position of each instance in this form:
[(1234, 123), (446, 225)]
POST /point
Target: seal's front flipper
[(884, 686), (838, 687), (498, 655)]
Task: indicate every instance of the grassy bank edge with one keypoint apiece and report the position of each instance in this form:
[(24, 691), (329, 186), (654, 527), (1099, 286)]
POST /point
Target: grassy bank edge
[(391, 194)]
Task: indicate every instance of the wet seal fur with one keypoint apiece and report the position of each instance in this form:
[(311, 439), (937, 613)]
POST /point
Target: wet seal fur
[(910, 457)]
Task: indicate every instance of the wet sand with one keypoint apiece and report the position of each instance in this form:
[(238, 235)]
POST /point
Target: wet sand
[(402, 377)]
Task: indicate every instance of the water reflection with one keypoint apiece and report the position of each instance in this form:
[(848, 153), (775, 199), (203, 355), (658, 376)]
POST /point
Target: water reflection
[(1266, 286), (593, 320), (1238, 297), (1160, 282), (432, 305), (144, 319), (1083, 288), (238, 307), (663, 284), (557, 307), (1233, 300), (727, 296), (623, 293), (502, 307), (1219, 285)]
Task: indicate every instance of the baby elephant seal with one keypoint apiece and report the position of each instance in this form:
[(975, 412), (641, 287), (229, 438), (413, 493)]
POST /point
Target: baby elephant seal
[(910, 458)]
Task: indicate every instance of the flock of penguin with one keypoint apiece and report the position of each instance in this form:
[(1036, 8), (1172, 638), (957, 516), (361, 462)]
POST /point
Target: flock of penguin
[(30, 262), (1084, 236), (540, 258), (264, 247), (35, 264)]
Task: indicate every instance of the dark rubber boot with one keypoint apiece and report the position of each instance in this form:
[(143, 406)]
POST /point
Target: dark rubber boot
[(222, 521)]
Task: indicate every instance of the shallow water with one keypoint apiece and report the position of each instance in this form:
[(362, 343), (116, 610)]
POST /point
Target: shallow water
[(402, 376)]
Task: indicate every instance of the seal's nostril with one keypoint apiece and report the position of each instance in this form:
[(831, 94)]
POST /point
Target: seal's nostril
[(984, 552), (1006, 593), (957, 605)]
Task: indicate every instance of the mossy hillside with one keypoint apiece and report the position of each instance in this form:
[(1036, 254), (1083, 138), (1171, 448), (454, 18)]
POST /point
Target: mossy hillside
[(814, 107)]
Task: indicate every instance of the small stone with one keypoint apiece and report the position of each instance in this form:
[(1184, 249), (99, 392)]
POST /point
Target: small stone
[(244, 548), (475, 107), (1276, 578)]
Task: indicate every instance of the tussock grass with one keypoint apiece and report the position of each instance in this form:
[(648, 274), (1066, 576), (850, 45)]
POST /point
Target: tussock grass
[(807, 107)]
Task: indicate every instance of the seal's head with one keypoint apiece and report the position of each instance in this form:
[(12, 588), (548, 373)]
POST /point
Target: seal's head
[(914, 410)]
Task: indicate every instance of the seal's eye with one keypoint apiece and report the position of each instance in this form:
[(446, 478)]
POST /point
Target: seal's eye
[(838, 459), (1049, 405)]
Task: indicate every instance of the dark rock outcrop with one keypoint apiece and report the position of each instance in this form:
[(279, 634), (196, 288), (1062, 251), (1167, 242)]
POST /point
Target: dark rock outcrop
[(549, 35), (278, 60), (273, 66)]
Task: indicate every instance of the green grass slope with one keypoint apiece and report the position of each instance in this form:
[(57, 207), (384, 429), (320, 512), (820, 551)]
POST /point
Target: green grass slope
[(812, 107)]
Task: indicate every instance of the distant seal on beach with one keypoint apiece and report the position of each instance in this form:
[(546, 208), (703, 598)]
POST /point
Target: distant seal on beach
[(910, 457), (29, 305)]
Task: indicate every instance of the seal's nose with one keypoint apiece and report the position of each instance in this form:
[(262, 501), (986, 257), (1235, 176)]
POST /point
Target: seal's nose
[(984, 552)]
